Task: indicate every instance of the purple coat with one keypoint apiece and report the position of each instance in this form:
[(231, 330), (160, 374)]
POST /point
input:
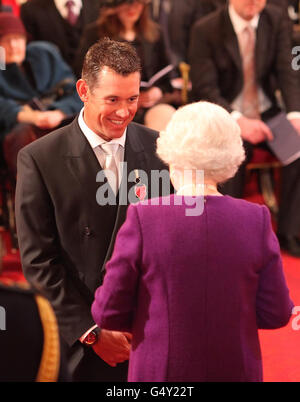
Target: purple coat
[(194, 290)]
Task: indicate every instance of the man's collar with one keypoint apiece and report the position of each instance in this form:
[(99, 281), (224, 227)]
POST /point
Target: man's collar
[(94, 139), (61, 7), (238, 23)]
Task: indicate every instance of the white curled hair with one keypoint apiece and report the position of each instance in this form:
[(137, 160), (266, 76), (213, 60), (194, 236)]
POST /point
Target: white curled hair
[(203, 136)]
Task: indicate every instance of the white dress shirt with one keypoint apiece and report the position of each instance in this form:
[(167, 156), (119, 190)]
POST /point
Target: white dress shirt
[(63, 10), (96, 141)]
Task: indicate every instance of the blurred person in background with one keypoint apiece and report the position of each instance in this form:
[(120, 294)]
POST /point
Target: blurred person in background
[(11, 6), (60, 22), (176, 18), (240, 57), (37, 89)]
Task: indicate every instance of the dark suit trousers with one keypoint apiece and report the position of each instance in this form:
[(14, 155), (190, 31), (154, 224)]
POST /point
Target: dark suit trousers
[(289, 203)]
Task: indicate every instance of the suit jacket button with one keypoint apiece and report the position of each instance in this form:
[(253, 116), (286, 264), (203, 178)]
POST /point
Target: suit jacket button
[(87, 231)]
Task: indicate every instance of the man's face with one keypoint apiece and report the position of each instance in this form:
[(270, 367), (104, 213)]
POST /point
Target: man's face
[(247, 9), (14, 47), (111, 105)]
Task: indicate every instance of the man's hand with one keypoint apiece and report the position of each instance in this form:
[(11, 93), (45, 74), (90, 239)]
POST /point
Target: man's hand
[(296, 124), (150, 97), (254, 130), (113, 347)]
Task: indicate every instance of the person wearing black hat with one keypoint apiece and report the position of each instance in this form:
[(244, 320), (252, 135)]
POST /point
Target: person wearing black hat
[(37, 89)]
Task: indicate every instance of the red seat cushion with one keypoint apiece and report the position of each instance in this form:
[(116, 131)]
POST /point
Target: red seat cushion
[(262, 156)]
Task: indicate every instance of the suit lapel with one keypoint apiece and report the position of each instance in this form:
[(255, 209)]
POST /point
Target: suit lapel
[(262, 41), (84, 14), (231, 41), (89, 11), (55, 20), (135, 159), (82, 163), (134, 151)]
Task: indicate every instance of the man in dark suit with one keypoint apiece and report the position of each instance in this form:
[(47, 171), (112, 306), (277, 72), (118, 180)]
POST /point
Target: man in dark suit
[(183, 14), (176, 18), (68, 214), (60, 22), (218, 73)]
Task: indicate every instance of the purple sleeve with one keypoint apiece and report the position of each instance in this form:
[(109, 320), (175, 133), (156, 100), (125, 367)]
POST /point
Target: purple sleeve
[(273, 304), (115, 301)]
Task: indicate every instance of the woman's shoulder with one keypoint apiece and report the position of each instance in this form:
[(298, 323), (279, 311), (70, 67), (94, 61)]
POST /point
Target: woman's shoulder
[(239, 204), (242, 203), (225, 203), (245, 210)]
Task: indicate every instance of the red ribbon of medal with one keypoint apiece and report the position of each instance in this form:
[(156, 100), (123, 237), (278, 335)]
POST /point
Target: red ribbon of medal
[(140, 189)]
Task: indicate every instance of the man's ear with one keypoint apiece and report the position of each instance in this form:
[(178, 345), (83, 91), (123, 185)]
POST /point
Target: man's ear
[(82, 90)]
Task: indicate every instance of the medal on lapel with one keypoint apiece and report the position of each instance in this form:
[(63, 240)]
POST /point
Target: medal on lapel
[(140, 189)]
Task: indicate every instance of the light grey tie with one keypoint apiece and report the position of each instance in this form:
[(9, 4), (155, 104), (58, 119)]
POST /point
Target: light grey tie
[(110, 166), (71, 16), (250, 104)]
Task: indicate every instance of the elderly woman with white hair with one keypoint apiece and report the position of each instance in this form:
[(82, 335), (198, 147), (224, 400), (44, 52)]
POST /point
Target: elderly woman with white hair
[(193, 289)]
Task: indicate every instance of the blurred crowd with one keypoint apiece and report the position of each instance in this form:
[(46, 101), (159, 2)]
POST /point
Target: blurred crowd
[(45, 42), (160, 30)]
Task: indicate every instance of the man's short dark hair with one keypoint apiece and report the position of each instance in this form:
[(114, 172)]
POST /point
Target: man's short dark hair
[(120, 57)]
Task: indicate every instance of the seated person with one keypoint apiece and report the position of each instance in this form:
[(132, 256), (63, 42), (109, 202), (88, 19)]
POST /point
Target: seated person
[(66, 19), (37, 89), (240, 55), (176, 18), (129, 20)]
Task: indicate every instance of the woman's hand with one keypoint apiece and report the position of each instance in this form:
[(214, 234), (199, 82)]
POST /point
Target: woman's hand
[(113, 347), (49, 119), (254, 130), (150, 97), (43, 119)]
